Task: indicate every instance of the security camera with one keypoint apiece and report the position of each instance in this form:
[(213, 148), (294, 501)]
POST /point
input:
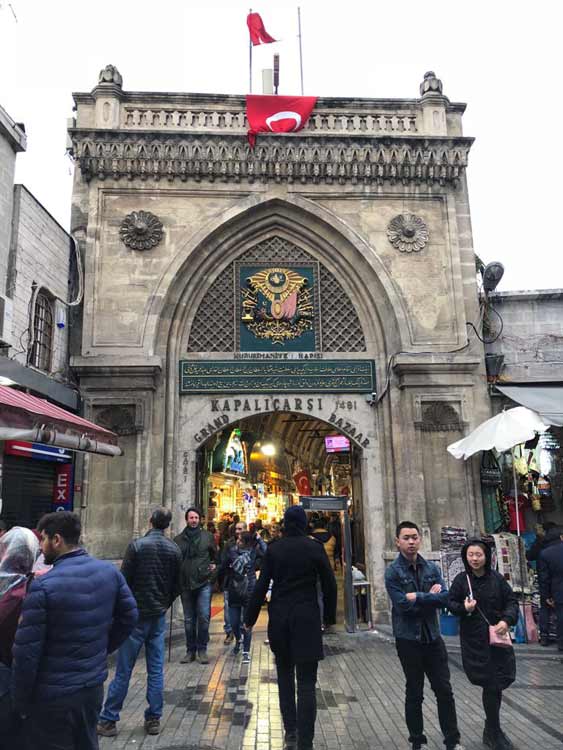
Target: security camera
[(371, 398)]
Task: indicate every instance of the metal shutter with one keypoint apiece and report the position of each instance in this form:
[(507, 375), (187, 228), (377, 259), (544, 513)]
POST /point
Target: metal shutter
[(27, 490)]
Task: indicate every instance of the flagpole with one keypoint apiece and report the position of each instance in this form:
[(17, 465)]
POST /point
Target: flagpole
[(250, 61), (300, 47)]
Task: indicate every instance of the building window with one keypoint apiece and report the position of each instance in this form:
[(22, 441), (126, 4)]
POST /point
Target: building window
[(42, 333)]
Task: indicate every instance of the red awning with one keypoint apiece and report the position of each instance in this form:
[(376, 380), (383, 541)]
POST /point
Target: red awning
[(24, 417)]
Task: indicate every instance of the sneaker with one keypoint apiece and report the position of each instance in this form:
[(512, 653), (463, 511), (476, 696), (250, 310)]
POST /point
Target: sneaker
[(456, 747), (290, 741), (106, 728), (266, 642), (245, 657), (229, 638), (202, 657), (187, 657), (152, 726)]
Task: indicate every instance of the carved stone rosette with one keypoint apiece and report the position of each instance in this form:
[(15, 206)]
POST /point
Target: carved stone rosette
[(141, 230), (408, 233)]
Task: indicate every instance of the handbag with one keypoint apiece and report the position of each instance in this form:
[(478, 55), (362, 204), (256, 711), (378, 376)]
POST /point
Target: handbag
[(495, 639)]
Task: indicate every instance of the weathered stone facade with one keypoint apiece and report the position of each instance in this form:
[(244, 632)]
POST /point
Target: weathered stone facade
[(374, 192)]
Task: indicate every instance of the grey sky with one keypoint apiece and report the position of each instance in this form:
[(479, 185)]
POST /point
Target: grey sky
[(502, 58)]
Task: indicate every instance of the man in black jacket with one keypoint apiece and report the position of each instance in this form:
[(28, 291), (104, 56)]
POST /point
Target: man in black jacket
[(540, 543), (550, 576), (199, 564), (152, 568), (293, 563)]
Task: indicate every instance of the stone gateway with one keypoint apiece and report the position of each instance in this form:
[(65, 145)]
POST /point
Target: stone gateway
[(234, 296)]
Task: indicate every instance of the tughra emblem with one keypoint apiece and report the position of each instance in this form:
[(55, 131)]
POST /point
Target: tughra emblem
[(277, 305)]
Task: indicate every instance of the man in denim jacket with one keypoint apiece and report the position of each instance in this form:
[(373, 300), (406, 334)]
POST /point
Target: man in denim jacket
[(417, 590)]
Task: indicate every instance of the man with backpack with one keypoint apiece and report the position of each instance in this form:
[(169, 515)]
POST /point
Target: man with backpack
[(199, 555), (238, 569)]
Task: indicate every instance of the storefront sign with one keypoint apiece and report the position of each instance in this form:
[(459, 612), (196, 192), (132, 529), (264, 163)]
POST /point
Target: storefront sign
[(231, 409), (62, 493), (236, 376), (36, 450)]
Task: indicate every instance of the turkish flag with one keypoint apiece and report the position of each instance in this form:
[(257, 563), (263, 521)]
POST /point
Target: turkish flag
[(277, 114), (258, 34), (302, 483)]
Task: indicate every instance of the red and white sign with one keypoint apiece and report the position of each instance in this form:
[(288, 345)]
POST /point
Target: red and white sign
[(277, 114), (302, 483), (62, 493)]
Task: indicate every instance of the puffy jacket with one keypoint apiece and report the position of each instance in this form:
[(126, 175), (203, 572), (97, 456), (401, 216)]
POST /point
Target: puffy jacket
[(72, 617), (550, 569), (408, 616), (198, 553), (152, 567)]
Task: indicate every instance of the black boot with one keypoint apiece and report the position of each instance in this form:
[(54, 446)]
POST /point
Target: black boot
[(489, 737), (507, 743), (290, 741)]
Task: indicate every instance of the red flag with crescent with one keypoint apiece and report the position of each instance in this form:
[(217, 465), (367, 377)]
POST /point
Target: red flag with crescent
[(302, 483), (277, 114), (258, 33)]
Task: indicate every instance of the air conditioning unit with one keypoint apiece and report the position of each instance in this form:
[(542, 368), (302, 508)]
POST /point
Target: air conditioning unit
[(6, 321)]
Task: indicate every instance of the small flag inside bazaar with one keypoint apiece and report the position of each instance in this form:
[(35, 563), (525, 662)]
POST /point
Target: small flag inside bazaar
[(258, 33), (277, 114)]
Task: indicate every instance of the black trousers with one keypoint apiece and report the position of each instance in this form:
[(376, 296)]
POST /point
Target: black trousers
[(420, 660), (66, 724), (298, 717), (492, 699)]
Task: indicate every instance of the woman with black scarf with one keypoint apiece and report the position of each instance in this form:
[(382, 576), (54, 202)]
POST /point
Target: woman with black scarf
[(481, 597)]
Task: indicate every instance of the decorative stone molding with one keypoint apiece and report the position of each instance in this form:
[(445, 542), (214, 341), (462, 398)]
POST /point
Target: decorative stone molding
[(110, 74), (407, 160), (439, 416), (141, 230), (431, 84), (118, 419), (408, 233)]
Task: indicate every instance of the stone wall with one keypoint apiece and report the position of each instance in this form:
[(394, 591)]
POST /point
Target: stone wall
[(12, 140), (532, 335), (39, 256)]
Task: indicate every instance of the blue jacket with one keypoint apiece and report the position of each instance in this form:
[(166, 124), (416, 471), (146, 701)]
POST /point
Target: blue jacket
[(408, 617), (72, 617)]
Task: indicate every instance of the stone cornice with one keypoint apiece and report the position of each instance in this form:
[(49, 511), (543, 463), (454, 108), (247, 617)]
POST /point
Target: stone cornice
[(325, 158)]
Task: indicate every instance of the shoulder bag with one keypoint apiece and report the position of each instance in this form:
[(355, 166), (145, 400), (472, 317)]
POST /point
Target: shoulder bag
[(496, 640)]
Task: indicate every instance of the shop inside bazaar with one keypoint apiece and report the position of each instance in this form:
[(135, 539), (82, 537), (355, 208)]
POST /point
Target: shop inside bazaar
[(257, 467)]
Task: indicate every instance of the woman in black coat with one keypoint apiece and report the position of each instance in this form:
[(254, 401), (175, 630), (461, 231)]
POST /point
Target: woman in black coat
[(293, 563), (480, 597)]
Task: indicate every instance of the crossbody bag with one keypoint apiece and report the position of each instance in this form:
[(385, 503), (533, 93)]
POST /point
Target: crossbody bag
[(499, 641)]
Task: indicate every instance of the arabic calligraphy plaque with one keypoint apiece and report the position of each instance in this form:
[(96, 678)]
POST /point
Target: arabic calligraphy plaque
[(293, 376)]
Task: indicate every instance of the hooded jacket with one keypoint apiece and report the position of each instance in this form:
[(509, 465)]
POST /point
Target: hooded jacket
[(550, 568), (484, 665)]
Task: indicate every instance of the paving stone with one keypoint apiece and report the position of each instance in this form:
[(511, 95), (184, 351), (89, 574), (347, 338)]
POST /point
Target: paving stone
[(225, 706)]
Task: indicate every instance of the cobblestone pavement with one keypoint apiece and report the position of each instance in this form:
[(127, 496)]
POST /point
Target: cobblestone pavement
[(226, 705)]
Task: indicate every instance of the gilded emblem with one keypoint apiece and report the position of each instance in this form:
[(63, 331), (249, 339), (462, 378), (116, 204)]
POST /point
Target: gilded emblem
[(277, 305)]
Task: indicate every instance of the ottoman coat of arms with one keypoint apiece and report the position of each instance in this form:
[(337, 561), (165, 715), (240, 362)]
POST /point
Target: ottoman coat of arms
[(277, 305)]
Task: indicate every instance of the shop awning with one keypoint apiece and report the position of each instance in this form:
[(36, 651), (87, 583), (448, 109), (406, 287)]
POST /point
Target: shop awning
[(25, 417), (546, 400)]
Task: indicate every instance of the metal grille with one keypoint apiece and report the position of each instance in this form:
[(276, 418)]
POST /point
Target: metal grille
[(214, 324), (42, 333)]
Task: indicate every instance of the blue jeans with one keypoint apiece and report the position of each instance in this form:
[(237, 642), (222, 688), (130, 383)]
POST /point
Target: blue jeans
[(149, 632), (197, 614), (236, 615), (227, 627)]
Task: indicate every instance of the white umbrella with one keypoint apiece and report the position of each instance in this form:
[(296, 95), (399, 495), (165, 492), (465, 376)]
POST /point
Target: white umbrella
[(507, 429)]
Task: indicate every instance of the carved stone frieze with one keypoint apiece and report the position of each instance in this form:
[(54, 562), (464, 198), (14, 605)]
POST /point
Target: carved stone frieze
[(408, 233), (118, 419), (141, 230), (101, 154), (439, 416)]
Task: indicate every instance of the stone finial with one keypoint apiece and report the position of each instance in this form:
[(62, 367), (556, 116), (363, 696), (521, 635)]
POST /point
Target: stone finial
[(431, 84), (110, 74)]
